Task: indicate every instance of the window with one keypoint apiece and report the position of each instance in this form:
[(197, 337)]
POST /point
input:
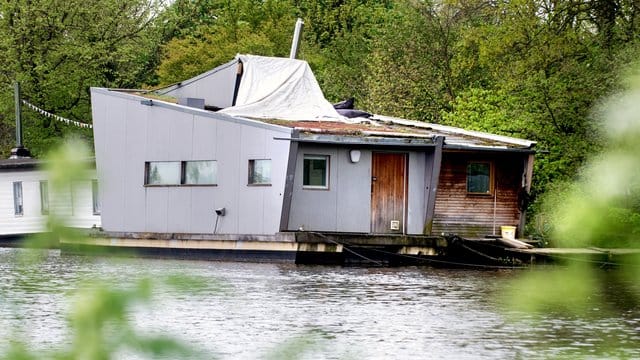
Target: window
[(201, 172), (17, 198), (259, 172), (97, 205), (479, 178), (44, 197), (315, 172), (163, 173)]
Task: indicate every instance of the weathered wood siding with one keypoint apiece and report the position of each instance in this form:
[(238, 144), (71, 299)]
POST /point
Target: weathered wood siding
[(472, 215)]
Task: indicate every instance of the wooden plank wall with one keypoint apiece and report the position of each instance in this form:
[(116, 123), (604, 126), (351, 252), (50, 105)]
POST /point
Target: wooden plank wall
[(472, 215)]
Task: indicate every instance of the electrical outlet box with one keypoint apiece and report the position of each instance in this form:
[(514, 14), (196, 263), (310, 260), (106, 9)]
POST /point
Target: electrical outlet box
[(395, 225)]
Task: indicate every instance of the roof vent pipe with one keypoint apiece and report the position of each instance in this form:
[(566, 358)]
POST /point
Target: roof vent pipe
[(296, 38)]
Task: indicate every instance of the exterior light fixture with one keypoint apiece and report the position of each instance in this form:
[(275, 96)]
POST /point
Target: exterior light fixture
[(354, 156)]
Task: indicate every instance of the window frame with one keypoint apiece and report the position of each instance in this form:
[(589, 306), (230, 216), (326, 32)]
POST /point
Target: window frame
[(327, 175), (45, 204), (251, 171), (490, 190), (18, 198), (182, 176)]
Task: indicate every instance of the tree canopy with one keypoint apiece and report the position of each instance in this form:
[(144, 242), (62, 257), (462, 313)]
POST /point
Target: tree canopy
[(526, 68)]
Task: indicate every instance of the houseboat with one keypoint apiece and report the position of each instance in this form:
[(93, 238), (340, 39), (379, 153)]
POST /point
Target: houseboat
[(27, 199), (250, 161)]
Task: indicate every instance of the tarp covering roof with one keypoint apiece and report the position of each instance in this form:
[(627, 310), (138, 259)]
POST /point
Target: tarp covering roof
[(279, 88)]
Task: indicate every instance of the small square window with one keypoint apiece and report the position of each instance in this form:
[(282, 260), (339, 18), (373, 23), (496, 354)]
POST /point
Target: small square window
[(44, 197), (163, 173), (479, 178), (315, 172), (201, 172), (259, 172)]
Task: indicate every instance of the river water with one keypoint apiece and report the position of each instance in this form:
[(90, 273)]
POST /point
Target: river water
[(253, 310)]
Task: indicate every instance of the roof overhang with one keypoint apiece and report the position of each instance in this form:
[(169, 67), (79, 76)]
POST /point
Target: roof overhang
[(364, 141)]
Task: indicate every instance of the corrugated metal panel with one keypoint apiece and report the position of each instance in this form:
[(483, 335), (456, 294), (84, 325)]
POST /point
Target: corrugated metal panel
[(470, 214)]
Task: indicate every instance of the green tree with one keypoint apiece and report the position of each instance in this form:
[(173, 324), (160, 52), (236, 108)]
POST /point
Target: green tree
[(58, 49)]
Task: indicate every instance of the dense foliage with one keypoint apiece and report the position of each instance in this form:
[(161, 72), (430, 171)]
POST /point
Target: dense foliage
[(525, 68)]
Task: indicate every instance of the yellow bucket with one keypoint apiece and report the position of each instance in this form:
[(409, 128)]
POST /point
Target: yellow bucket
[(508, 232)]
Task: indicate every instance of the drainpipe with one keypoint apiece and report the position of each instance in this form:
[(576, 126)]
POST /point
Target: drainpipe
[(19, 151), (296, 38)]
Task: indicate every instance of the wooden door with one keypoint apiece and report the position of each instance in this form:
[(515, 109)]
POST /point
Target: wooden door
[(388, 193)]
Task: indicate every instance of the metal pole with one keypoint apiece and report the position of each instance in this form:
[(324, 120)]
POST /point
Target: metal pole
[(296, 38), (16, 88)]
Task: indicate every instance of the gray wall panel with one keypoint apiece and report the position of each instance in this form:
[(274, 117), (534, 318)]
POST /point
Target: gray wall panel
[(179, 209), (134, 209), (204, 138), (216, 88), (114, 128), (314, 210), (157, 203), (228, 150), (279, 153), (203, 204), (353, 192), (416, 207), (181, 130), (158, 135)]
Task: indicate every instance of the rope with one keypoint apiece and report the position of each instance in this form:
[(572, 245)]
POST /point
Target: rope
[(446, 262), (344, 246), (56, 117)]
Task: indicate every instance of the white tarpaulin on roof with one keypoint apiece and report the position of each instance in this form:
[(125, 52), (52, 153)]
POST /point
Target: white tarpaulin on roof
[(279, 88)]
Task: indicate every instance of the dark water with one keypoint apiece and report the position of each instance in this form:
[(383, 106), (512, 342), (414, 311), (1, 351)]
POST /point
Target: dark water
[(343, 313)]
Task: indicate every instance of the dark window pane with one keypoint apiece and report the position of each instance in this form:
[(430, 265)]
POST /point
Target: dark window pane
[(479, 178), (315, 171)]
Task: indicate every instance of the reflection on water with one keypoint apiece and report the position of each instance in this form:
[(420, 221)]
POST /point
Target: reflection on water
[(347, 312)]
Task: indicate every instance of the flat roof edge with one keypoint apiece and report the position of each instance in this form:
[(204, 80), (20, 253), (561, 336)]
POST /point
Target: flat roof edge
[(191, 110)]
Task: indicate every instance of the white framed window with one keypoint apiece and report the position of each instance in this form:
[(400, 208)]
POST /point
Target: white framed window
[(315, 172), (259, 172), (18, 200), (479, 178), (200, 172), (95, 195), (44, 197), (163, 173)]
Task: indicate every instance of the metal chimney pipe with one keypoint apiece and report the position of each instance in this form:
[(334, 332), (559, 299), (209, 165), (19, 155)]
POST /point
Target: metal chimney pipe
[(296, 38), (16, 95), (19, 151)]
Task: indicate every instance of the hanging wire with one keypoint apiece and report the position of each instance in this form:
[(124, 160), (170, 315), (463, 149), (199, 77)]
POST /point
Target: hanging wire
[(56, 117)]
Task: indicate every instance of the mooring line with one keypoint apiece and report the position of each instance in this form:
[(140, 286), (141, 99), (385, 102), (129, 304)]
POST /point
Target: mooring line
[(344, 246)]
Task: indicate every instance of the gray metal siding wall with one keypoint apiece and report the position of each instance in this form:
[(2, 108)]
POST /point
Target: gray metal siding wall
[(346, 205), (127, 134), (416, 194), (216, 87)]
